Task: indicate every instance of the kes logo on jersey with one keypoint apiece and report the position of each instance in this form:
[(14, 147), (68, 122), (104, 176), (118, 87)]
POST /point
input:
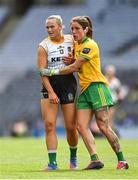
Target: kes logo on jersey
[(56, 59)]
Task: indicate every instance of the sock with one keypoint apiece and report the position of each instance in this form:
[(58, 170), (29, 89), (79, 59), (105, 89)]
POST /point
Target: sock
[(94, 157), (73, 151), (120, 156), (52, 157)]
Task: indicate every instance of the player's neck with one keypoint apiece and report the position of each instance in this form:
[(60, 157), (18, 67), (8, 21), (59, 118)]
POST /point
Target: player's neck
[(58, 39), (82, 40)]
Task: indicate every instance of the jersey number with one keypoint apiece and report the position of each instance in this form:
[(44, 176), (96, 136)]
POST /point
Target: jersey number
[(61, 51)]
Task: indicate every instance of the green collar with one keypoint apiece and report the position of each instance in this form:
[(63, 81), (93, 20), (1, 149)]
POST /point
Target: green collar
[(85, 39)]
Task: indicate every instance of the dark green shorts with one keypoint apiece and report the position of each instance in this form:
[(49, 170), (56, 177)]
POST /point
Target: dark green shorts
[(97, 95)]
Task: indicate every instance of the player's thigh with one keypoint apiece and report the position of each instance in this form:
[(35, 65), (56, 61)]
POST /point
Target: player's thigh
[(69, 113), (49, 110), (84, 116)]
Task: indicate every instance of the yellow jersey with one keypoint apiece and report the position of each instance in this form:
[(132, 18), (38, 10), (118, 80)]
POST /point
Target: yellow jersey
[(90, 70)]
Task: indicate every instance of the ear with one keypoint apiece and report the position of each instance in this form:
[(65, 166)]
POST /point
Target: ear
[(86, 30)]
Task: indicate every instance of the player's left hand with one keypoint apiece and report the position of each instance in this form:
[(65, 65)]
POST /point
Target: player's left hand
[(68, 59)]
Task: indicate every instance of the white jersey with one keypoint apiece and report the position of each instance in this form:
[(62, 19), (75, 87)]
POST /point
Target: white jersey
[(115, 87), (56, 51)]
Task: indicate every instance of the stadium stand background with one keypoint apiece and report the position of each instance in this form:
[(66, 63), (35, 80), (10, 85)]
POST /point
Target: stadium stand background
[(21, 30)]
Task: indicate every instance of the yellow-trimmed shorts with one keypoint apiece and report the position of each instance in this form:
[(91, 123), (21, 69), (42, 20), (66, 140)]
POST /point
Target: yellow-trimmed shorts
[(97, 95)]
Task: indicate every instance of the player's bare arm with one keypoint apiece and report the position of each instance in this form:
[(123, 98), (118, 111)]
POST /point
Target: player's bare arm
[(42, 63), (75, 67)]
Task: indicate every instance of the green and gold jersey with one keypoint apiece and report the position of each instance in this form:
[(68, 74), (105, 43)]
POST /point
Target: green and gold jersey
[(90, 71)]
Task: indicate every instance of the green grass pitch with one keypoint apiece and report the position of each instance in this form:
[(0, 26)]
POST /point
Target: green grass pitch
[(22, 158)]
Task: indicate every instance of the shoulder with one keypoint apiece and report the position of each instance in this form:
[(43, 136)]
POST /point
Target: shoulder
[(44, 43), (92, 43), (90, 46), (89, 42), (41, 51)]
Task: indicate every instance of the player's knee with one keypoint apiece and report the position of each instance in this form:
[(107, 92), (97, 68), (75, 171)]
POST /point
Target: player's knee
[(80, 128), (104, 128), (71, 128), (50, 127)]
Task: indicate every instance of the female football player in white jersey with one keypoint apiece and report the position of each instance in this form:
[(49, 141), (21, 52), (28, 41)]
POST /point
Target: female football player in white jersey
[(57, 90)]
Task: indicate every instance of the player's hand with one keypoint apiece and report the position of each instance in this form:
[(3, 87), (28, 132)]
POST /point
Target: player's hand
[(68, 59), (53, 98)]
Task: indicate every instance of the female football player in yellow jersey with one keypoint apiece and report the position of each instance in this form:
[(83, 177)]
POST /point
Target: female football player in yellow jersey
[(57, 90), (95, 98)]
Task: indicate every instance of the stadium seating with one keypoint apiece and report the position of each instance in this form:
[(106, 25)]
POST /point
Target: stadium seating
[(119, 26), (114, 32)]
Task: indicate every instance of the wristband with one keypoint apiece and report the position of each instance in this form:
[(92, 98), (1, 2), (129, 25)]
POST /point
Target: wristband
[(48, 72), (54, 72), (44, 72)]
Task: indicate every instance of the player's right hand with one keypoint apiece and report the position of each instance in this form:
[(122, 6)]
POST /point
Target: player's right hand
[(53, 98)]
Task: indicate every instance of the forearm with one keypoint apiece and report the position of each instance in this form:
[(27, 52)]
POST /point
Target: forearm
[(67, 70), (50, 72), (46, 83)]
